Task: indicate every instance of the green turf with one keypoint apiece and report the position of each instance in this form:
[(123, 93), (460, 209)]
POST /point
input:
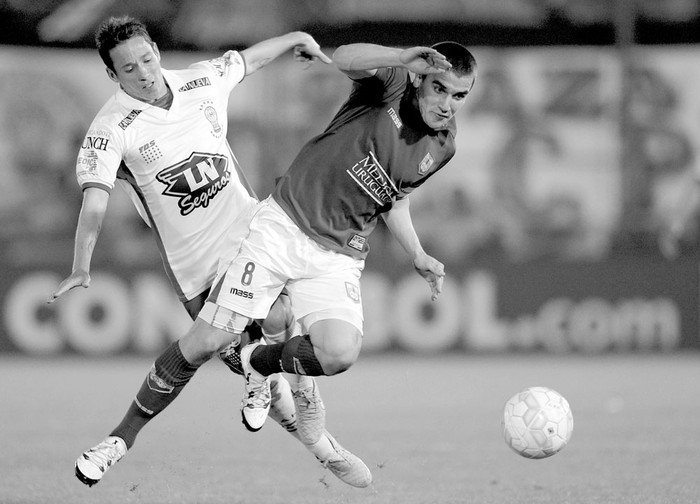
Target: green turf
[(429, 428)]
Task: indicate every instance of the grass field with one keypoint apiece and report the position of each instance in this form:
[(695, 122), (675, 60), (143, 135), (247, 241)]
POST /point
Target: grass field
[(429, 428)]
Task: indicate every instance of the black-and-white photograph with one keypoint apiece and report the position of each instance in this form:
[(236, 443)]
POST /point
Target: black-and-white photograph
[(496, 202)]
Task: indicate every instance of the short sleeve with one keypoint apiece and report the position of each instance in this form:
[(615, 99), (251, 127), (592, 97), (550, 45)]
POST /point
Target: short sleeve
[(226, 70), (99, 158)]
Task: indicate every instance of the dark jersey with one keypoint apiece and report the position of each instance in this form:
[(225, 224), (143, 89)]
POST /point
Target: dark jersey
[(377, 149)]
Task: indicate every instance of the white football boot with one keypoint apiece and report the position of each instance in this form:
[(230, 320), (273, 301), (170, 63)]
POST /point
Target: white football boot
[(92, 464), (311, 412), (255, 405), (348, 467)]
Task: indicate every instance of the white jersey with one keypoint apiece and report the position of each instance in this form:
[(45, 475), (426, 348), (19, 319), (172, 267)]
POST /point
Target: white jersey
[(176, 166)]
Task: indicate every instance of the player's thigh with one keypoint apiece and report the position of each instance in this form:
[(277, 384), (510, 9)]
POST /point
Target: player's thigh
[(280, 320), (331, 296), (250, 282), (247, 288)]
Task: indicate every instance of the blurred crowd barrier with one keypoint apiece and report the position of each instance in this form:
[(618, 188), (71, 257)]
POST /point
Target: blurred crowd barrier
[(549, 238)]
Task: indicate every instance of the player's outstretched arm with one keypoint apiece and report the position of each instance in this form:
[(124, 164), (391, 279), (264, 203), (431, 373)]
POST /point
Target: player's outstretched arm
[(306, 50), (362, 60), (399, 222), (90, 220)]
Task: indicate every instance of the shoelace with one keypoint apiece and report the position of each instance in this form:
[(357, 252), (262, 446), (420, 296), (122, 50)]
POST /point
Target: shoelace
[(313, 401), (104, 455), (340, 459), (258, 395)]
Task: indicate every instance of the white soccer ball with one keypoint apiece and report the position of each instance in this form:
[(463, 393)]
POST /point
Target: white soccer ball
[(537, 422)]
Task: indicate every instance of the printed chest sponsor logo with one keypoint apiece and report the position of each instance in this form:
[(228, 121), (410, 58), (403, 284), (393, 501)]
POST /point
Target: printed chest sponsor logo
[(369, 175), (131, 116), (194, 84), (195, 181), (150, 152)]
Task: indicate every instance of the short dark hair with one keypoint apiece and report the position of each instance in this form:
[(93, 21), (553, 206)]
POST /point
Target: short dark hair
[(461, 59), (116, 30)]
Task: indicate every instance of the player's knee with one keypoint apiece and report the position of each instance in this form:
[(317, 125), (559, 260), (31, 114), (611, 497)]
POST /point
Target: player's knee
[(203, 341), (339, 356), (337, 365)]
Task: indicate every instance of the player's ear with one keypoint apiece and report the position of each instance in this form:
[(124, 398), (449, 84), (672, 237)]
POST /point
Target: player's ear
[(156, 51), (111, 74), (416, 80)]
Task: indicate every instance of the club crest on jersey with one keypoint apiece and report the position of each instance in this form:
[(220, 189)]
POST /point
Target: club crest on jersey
[(212, 117), (426, 164), (195, 181)]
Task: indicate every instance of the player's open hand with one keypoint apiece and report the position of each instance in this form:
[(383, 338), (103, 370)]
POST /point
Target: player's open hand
[(433, 271), (310, 52), (76, 279), (424, 60)]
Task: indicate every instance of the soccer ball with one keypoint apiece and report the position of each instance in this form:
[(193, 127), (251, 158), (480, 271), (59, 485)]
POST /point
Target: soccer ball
[(537, 422)]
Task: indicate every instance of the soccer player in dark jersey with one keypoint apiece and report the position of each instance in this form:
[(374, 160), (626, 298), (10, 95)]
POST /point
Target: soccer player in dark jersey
[(395, 130)]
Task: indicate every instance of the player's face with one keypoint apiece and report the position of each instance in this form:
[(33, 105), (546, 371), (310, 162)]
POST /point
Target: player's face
[(137, 69), (441, 95)]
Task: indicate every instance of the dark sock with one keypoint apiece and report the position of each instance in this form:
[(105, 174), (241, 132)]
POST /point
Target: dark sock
[(266, 359), (294, 356), (299, 357), (168, 376), (231, 354)]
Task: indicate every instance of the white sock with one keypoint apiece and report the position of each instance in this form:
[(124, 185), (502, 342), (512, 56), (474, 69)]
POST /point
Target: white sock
[(322, 449)]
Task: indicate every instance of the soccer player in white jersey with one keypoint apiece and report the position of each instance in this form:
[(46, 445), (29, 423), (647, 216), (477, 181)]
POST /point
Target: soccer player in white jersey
[(162, 137)]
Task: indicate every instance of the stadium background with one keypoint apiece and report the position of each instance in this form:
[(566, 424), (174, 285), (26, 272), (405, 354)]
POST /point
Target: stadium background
[(583, 127)]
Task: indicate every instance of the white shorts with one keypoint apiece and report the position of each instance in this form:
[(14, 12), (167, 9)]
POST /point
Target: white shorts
[(322, 284)]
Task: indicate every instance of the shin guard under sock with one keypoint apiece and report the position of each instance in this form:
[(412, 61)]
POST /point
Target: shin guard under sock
[(298, 357), (168, 376)]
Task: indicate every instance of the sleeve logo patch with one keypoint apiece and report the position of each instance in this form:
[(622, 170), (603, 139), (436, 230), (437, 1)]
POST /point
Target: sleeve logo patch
[(357, 242)]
